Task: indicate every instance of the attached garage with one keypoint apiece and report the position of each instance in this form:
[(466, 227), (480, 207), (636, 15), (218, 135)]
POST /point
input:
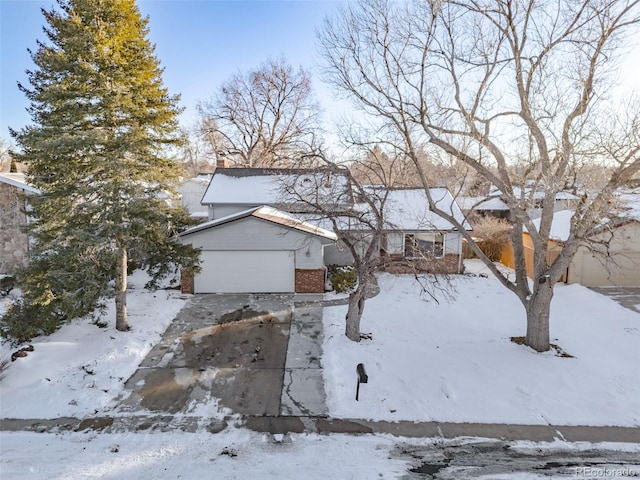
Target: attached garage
[(620, 270), (611, 258), (247, 271), (260, 250)]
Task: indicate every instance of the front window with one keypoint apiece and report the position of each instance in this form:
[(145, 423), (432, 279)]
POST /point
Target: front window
[(424, 245)]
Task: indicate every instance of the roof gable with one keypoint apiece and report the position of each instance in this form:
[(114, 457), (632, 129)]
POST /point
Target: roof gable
[(268, 214)]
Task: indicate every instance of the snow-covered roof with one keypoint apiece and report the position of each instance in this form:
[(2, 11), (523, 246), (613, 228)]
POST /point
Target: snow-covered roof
[(560, 225), (561, 222), (537, 194), (18, 180), (482, 203), (405, 209), (630, 203), (408, 209), (269, 214), (197, 180), (270, 186)]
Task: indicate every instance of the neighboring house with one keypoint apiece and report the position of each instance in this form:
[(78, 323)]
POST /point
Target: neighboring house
[(191, 191), (491, 206), (612, 255), (14, 243), (246, 236), (534, 197), (413, 232), (261, 249), (557, 236), (233, 190), (609, 256), (494, 205)]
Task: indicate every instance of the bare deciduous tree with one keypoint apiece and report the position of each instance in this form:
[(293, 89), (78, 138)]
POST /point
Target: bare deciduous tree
[(194, 153), (493, 83), (262, 118), (6, 160), (358, 212), (333, 194)]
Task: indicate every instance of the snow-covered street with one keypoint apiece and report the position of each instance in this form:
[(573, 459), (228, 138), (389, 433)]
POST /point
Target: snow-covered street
[(240, 454)]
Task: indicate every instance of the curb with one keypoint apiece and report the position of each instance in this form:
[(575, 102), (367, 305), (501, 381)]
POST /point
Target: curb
[(326, 425)]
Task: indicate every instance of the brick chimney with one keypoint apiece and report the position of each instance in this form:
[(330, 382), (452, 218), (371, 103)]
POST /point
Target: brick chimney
[(222, 163)]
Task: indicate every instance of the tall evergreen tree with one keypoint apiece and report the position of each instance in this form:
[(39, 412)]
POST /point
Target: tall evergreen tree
[(103, 124)]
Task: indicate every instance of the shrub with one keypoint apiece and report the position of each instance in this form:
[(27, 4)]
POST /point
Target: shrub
[(342, 278), (492, 235), (24, 321)]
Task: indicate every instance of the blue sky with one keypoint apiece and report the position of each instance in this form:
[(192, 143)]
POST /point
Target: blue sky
[(200, 43)]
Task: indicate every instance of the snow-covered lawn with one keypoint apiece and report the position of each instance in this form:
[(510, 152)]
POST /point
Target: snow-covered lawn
[(454, 361), (80, 370)]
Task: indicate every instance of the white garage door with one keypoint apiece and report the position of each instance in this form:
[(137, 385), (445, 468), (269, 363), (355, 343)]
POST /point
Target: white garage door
[(622, 270), (246, 272)]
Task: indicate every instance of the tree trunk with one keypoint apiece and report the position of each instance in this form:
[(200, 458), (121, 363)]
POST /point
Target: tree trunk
[(121, 290), (354, 313), (538, 308)]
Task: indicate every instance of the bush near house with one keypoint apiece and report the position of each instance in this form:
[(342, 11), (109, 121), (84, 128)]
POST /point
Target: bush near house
[(342, 278), (492, 234)]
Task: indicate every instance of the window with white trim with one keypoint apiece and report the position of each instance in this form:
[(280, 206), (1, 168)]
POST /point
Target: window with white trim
[(424, 245)]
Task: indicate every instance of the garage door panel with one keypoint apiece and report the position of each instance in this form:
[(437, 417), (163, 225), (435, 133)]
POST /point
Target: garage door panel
[(246, 272), (620, 270)]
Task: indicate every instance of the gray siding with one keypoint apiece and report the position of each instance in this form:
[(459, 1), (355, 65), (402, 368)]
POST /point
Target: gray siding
[(453, 243), (337, 255), (255, 234), (216, 212)]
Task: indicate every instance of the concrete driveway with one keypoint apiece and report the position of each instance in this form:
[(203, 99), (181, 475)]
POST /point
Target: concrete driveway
[(628, 297), (255, 355)]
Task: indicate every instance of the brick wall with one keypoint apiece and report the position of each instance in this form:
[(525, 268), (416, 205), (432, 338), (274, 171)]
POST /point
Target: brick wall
[(448, 264), (14, 244), (186, 281), (310, 281)]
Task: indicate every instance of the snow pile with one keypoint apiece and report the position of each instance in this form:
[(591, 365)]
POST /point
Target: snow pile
[(81, 369), (454, 361)]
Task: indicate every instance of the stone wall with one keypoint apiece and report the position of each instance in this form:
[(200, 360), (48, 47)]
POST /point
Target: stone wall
[(14, 244)]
